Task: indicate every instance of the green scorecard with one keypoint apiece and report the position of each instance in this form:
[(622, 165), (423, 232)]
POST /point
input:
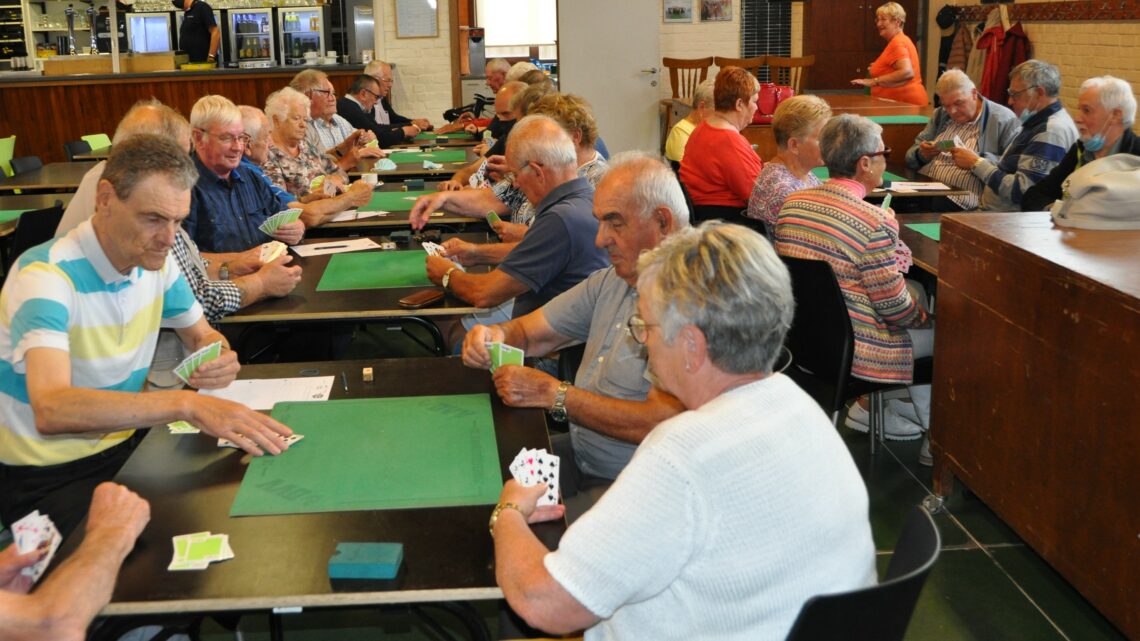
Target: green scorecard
[(375, 270), (393, 200), (900, 120), (417, 156), (823, 174), (376, 454), (933, 231)]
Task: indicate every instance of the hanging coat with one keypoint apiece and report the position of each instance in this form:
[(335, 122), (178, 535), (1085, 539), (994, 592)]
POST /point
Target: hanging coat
[(1004, 51)]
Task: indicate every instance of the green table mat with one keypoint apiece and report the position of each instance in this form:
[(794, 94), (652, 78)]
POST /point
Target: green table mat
[(823, 174), (377, 454), (900, 120), (8, 215), (932, 231), (459, 135), (393, 200), (440, 155), (375, 270)]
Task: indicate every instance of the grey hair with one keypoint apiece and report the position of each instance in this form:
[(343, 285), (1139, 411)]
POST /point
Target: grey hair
[(374, 67), (214, 110), (704, 93), (308, 80), (653, 185), (140, 156), (278, 103), (152, 117), (892, 10), (498, 64), (727, 281), (519, 69), (1038, 73), (253, 121), (844, 140), (542, 140), (1114, 94), (521, 101), (953, 81)]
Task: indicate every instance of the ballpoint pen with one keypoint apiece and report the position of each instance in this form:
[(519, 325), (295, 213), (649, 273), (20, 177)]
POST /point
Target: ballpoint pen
[(344, 380)]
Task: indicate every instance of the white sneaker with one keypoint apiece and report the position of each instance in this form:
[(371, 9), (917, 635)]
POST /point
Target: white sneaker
[(904, 409), (924, 457), (897, 426)]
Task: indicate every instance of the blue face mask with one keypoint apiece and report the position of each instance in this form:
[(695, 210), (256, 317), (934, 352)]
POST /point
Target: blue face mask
[(1095, 142)]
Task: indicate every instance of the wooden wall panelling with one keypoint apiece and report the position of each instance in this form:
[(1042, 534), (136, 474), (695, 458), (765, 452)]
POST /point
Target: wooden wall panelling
[(43, 116)]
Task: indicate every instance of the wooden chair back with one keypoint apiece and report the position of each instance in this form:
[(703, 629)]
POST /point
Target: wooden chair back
[(751, 65), (789, 72), (686, 73)]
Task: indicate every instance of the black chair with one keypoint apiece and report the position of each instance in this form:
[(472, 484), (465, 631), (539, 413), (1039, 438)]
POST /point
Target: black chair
[(24, 164), (33, 228), (822, 343), (881, 612), (76, 147)]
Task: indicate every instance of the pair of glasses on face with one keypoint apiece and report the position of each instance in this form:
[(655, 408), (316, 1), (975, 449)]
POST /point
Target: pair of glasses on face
[(639, 329), (884, 153), (372, 93), (229, 139), (322, 92), (1015, 94)]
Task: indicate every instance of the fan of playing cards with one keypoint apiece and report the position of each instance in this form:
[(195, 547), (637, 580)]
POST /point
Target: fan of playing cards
[(532, 467), (208, 353), (435, 249), (197, 551), (33, 532), (274, 222)]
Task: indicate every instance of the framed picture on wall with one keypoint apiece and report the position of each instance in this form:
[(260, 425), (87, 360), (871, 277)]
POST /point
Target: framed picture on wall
[(678, 10), (716, 10)]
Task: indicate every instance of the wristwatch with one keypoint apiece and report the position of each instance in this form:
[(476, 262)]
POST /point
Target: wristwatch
[(558, 410), (447, 277), (495, 515), (224, 272)]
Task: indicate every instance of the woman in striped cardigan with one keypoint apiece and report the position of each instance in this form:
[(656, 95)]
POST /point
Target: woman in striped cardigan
[(833, 223)]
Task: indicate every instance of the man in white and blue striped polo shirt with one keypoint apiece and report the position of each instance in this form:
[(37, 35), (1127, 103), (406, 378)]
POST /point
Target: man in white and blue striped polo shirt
[(79, 318)]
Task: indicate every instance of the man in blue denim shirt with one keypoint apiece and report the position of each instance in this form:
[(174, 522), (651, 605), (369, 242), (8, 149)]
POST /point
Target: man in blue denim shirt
[(228, 203)]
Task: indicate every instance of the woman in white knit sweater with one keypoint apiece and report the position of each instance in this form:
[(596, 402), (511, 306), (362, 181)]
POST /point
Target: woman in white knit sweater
[(730, 515)]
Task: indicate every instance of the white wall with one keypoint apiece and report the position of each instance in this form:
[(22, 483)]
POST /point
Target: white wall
[(423, 65)]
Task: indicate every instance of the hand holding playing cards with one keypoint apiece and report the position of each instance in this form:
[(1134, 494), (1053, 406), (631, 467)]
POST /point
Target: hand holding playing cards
[(117, 516), (460, 251), (527, 500), (928, 150), (509, 232), (216, 373), (475, 353), (525, 386), (277, 278), (358, 194), (290, 233), (246, 262), (963, 157), (436, 267), (232, 421), (12, 563)]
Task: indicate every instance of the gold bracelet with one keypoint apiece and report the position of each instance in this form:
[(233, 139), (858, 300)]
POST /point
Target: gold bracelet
[(495, 515)]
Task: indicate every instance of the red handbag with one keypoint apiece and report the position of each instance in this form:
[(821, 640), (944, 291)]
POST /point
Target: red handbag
[(771, 95)]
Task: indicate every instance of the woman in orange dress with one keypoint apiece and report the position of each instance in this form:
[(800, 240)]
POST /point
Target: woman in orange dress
[(895, 74)]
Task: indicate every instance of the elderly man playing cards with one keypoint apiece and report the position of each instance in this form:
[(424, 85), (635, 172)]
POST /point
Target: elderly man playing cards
[(70, 598), (80, 319), (610, 405), (731, 514)]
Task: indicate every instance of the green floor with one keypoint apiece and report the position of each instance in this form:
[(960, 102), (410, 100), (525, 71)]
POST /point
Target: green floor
[(987, 586)]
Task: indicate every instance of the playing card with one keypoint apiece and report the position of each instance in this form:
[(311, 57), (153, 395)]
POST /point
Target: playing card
[(271, 250), (493, 218), (548, 474), (432, 165), (274, 222), (384, 164), (196, 551), (289, 440), (958, 142), (945, 145), (186, 368), (510, 355), (182, 427), (887, 201), (433, 249), (33, 532), (374, 144)]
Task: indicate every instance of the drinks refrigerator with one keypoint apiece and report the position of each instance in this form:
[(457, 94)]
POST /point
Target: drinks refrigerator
[(149, 32), (221, 55), (302, 31), (251, 43)]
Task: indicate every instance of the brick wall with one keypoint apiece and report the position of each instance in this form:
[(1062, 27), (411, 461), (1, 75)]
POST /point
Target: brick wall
[(423, 65), (1079, 49)]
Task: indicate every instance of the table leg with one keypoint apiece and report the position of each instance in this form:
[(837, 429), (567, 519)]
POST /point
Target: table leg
[(276, 633)]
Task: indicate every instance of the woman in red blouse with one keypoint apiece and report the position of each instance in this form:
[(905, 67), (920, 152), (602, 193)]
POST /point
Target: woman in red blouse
[(719, 165), (896, 73)]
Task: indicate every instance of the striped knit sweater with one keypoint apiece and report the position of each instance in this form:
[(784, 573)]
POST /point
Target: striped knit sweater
[(858, 240)]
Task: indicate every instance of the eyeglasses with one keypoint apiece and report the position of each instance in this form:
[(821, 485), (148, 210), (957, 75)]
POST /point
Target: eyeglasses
[(1015, 94), (228, 139), (324, 92), (383, 79), (371, 93), (639, 329), (884, 153)]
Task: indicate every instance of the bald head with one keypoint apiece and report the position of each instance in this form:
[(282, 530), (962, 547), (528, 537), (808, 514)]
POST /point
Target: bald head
[(153, 117), (503, 100)]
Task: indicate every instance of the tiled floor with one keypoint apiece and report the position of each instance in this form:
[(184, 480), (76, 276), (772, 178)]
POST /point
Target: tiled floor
[(987, 585)]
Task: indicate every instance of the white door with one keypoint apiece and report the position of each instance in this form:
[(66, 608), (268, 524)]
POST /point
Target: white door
[(608, 53)]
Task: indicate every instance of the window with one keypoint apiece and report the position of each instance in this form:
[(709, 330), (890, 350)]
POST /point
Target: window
[(765, 30), (511, 27)]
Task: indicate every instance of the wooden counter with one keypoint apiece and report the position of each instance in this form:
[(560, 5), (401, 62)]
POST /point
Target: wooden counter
[(897, 136), (45, 112), (1037, 363)]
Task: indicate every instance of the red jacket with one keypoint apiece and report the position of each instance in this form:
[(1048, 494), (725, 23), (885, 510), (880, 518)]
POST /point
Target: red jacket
[(1004, 51)]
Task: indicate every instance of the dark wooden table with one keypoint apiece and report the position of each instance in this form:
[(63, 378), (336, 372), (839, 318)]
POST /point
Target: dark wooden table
[(281, 561), (924, 251), (95, 154), (396, 218), (406, 170), (28, 201), (1035, 378), (305, 303), (56, 176)]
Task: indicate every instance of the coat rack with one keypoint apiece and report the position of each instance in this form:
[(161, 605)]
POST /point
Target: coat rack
[(1090, 11)]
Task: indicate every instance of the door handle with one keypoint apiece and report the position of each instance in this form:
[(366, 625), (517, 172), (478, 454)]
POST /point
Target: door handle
[(649, 70)]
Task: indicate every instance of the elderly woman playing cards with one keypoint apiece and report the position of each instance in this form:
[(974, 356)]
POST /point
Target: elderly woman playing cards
[(293, 163), (731, 514)]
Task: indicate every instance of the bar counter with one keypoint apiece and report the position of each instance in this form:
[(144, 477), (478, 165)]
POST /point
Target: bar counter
[(44, 112)]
